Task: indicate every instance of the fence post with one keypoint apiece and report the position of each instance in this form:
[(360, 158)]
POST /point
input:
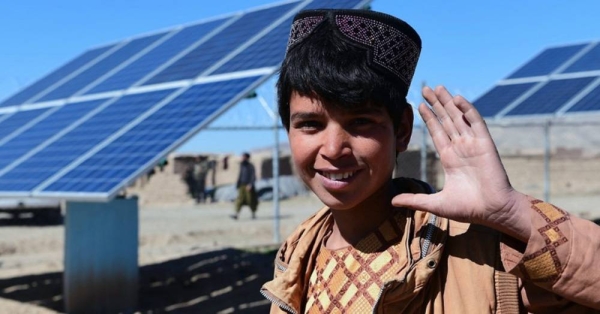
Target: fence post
[(423, 146), (547, 152)]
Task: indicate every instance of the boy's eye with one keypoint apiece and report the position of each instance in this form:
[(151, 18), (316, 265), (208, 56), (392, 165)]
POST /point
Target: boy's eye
[(307, 125)]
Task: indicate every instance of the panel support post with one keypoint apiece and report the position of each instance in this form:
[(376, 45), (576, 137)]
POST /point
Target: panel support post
[(274, 115), (547, 156), (101, 257)]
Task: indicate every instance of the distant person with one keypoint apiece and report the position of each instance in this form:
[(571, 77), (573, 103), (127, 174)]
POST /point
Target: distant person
[(190, 182), (210, 189), (245, 187), (201, 167), (395, 245)]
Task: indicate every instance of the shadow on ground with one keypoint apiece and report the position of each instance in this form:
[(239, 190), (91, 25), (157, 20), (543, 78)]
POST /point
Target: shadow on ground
[(224, 281), (31, 217)]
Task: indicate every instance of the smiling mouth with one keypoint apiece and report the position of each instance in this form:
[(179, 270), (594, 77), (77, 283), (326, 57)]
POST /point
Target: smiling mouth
[(337, 176)]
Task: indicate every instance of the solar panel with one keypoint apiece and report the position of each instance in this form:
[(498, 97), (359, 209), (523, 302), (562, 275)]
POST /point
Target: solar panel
[(266, 52), (18, 120), (590, 102), (270, 49), (155, 58), (551, 96), (60, 118), (37, 168), (56, 76), (121, 159), (547, 61), (588, 62), (556, 82), (492, 102), (80, 81), (107, 120), (203, 57)]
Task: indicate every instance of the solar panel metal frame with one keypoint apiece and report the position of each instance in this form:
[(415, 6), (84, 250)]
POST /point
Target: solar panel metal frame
[(183, 85)]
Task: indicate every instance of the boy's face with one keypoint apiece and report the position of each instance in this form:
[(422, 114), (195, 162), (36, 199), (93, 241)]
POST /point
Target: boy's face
[(344, 156)]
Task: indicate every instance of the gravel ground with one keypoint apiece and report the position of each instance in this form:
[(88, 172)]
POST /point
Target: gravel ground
[(173, 232)]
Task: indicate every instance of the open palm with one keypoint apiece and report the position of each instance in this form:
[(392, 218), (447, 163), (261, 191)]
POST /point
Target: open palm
[(476, 187)]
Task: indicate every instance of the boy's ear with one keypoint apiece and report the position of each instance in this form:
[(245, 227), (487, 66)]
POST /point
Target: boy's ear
[(405, 128)]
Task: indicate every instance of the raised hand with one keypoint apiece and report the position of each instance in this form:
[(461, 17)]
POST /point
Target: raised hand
[(476, 188)]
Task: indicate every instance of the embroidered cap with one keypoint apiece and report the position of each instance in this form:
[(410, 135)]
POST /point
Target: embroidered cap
[(392, 46)]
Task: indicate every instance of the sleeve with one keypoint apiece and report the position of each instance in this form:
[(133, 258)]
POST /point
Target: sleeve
[(558, 266)]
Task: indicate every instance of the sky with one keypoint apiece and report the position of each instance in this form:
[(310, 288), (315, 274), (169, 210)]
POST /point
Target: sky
[(467, 45)]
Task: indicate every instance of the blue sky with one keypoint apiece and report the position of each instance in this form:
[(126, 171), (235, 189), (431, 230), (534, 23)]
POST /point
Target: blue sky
[(467, 45)]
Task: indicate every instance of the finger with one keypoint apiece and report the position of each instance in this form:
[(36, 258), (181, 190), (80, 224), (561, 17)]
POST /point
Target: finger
[(461, 122), (438, 108), (436, 131), (472, 116), (457, 116), (423, 202)]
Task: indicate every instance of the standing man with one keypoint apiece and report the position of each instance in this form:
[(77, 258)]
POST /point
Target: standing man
[(200, 170), (245, 186)]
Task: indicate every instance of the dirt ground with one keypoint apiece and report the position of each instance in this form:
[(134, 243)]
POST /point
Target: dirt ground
[(235, 257), (193, 258)]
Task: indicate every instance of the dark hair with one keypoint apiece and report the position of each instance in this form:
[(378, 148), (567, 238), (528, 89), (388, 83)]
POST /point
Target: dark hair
[(336, 72)]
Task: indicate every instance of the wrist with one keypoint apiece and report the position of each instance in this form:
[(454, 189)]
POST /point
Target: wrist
[(515, 220)]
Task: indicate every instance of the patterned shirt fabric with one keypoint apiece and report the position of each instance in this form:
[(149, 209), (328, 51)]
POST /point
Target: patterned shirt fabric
[(350, 279)]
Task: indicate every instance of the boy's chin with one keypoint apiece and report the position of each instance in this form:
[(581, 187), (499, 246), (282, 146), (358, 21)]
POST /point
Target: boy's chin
[(336, 203)]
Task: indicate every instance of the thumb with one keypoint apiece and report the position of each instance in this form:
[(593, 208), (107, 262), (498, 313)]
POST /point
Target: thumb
[(423, 202)]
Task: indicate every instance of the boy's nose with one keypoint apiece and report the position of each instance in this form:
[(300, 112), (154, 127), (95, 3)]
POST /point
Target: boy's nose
[(336, 143)]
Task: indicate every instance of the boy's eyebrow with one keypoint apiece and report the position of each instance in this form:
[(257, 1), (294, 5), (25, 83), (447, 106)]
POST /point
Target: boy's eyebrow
[(302, 115)]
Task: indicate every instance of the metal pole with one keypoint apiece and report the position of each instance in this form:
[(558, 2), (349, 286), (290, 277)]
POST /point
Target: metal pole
[(423, 146), (547, 151), (274, 116)]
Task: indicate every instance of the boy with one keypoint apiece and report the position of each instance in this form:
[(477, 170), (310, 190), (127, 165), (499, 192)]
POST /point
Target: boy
[(383, 245)]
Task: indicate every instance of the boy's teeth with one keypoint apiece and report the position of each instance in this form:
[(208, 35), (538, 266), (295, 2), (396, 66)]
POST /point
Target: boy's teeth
[(338, 176)]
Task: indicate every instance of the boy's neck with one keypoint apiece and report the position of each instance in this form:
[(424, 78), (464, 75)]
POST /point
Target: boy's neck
[(352, 225)]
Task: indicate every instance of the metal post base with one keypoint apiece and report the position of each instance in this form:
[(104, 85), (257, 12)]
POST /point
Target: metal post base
[(101, 257)]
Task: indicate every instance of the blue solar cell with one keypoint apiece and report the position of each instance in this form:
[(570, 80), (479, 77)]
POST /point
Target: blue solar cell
[(547, 62), (270, 49), (45, 163), (52, 78), (590, 102), (548, 99), (333, 4), (104, 66), (155, 58), (499, 97), (590, 61), (43, 130), (207, 54), (17, 120), (143, 144), (266, 52)]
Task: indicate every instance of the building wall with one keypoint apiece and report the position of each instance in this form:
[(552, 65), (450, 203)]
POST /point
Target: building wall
[(571, 174)]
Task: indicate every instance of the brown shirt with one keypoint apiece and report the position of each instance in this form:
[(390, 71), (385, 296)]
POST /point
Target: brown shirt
[(350, 279)]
